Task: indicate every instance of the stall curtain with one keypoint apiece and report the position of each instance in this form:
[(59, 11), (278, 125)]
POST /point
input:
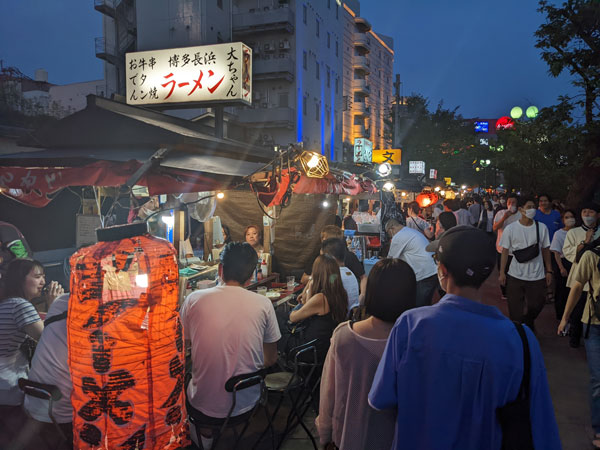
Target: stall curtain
[(297, 228), (125, 340), (35, 186)]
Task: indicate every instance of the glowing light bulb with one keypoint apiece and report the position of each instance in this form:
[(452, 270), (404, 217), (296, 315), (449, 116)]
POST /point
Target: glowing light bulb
[(437, 188), (403, 194), (384, 169), (388, 186), (325, 204), (313, 162), (141, 280), (220, 195), (463, 187), (442, 192)]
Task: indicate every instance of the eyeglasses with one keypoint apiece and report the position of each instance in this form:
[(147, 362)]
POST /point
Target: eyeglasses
[(435, 258)]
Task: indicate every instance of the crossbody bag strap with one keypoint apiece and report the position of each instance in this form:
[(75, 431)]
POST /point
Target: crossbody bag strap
[(524, 390), (56, 318), (537, 232)]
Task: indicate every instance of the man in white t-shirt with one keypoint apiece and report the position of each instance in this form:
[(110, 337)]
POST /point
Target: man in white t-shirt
[(232, 331), (410, 246), (502, 219), (50, 365), (527, 280), (336, 248)]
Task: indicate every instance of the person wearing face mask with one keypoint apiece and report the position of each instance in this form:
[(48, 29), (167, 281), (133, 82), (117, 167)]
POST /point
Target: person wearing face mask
[(476, 348), (486, 218), (526, 281), (501, 204), (502, 219), (561, 265), (574, 241)]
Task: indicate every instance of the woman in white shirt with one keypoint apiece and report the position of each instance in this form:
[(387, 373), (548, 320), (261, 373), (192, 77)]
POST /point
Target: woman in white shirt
[(486, 218), (561, 265)]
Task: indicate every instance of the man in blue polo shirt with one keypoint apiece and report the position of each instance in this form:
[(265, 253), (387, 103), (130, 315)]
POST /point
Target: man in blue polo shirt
[(548, 216), (447, 368)]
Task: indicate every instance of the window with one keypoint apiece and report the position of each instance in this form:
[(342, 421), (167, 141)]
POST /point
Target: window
[(304, 14), (317, 110), (328, 39), (304, 60), (283, 99), (328, 78), (317, 69), (318, 27), (304, 102), (220, 4), (337, 51)]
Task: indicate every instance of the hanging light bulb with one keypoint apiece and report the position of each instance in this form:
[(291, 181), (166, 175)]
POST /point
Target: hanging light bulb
[(442, 192), (220, 195), (437, 188), (404, 194), (314, 165), (325, 204), (388, 186), (384, 169)]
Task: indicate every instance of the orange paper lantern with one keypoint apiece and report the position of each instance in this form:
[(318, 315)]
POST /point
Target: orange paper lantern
[(126, 346), (425, 199)]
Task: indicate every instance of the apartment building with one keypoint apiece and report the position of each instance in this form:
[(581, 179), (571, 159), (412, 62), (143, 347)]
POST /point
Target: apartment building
[(301, 62)]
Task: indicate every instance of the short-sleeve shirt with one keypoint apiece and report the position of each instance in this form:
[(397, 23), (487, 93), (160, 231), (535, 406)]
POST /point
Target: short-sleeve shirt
[(227, 327), (416, 223), (15, 315), (552, 220), (517, 237), (558, 241), (499, 216), (50, 365), (409, 246), (587, 271)]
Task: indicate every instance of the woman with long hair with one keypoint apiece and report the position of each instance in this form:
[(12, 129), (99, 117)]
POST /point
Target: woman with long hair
[(324, 303), (24, 281), (346, 420)]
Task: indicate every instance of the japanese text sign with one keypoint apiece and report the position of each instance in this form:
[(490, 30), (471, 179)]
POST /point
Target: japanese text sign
[(211, 73), (433, 174), (363, 150), (416, 167), (448, 181), (391, 156)]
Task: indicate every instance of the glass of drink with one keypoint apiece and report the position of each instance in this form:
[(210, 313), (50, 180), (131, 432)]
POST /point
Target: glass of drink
[(291, 283)]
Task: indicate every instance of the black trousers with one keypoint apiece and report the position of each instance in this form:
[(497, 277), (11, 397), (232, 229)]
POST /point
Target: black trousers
[(526, 299)]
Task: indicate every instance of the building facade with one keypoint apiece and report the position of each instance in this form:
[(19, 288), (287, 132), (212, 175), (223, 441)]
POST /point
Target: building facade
[(305, 61)]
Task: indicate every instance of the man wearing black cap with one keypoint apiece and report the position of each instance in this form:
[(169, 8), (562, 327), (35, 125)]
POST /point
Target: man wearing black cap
[(574, 242), (447, 368)]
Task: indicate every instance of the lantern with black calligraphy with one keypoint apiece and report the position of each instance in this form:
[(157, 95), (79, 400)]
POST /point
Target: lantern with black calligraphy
[(126, 344), (426, 198)]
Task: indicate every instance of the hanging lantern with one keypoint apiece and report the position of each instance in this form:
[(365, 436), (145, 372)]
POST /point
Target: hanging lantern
[(125, 343), (426, 198), (314, 165)]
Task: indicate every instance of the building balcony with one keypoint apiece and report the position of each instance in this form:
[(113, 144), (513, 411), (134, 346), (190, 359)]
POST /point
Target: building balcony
[(361, 42), (361, 87), (362, 24), (105, 51), (274, 68), (264, 20), (360, 109), (361, 63), (106, 7), (275, 117)]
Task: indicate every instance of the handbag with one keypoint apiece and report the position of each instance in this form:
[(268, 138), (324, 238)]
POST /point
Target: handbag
[(528, 253), (514, 416)]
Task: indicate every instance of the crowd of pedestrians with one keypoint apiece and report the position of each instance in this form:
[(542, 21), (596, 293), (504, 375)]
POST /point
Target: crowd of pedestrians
[(410, 356)]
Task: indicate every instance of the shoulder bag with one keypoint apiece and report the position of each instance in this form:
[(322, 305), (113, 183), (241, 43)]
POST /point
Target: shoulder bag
[(514, 416), (528, 253)]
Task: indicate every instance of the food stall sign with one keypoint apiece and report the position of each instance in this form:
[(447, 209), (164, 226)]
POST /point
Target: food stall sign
[(416, 167), (391, 156), (363, 151), (220, 73), (448, 181), (433, 174)]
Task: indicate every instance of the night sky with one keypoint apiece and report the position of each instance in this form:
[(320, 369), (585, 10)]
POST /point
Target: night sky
[(478, 55)]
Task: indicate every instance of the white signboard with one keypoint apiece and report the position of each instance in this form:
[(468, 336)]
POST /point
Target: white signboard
[(416, 167), (209, 74), (433, 174), (363, 151), (85, 229)]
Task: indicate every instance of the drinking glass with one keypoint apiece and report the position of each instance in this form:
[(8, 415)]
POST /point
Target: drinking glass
[(291, 283)]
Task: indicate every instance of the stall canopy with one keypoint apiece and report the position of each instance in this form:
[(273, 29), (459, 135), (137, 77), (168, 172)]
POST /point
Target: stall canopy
[(108, 143)]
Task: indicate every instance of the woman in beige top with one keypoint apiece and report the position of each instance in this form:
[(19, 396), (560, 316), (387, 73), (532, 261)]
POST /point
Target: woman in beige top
[(345, 418)]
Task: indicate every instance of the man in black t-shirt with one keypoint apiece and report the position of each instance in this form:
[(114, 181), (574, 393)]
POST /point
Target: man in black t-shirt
[(350, 259)]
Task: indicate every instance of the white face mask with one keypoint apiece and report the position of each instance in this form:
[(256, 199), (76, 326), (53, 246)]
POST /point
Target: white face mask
[(513, 209), (502, 202), (530, 213), (570, 222), (589, 221)]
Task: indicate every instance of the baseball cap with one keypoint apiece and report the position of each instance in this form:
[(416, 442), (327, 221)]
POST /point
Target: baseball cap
[(467, 252)]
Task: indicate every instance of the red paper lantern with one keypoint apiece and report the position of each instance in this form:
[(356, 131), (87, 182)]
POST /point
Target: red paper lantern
[(126, 346), (425, 199)]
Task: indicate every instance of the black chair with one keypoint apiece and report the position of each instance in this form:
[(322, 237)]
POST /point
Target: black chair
[(297, 384), (47, 392), (234, 385)]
